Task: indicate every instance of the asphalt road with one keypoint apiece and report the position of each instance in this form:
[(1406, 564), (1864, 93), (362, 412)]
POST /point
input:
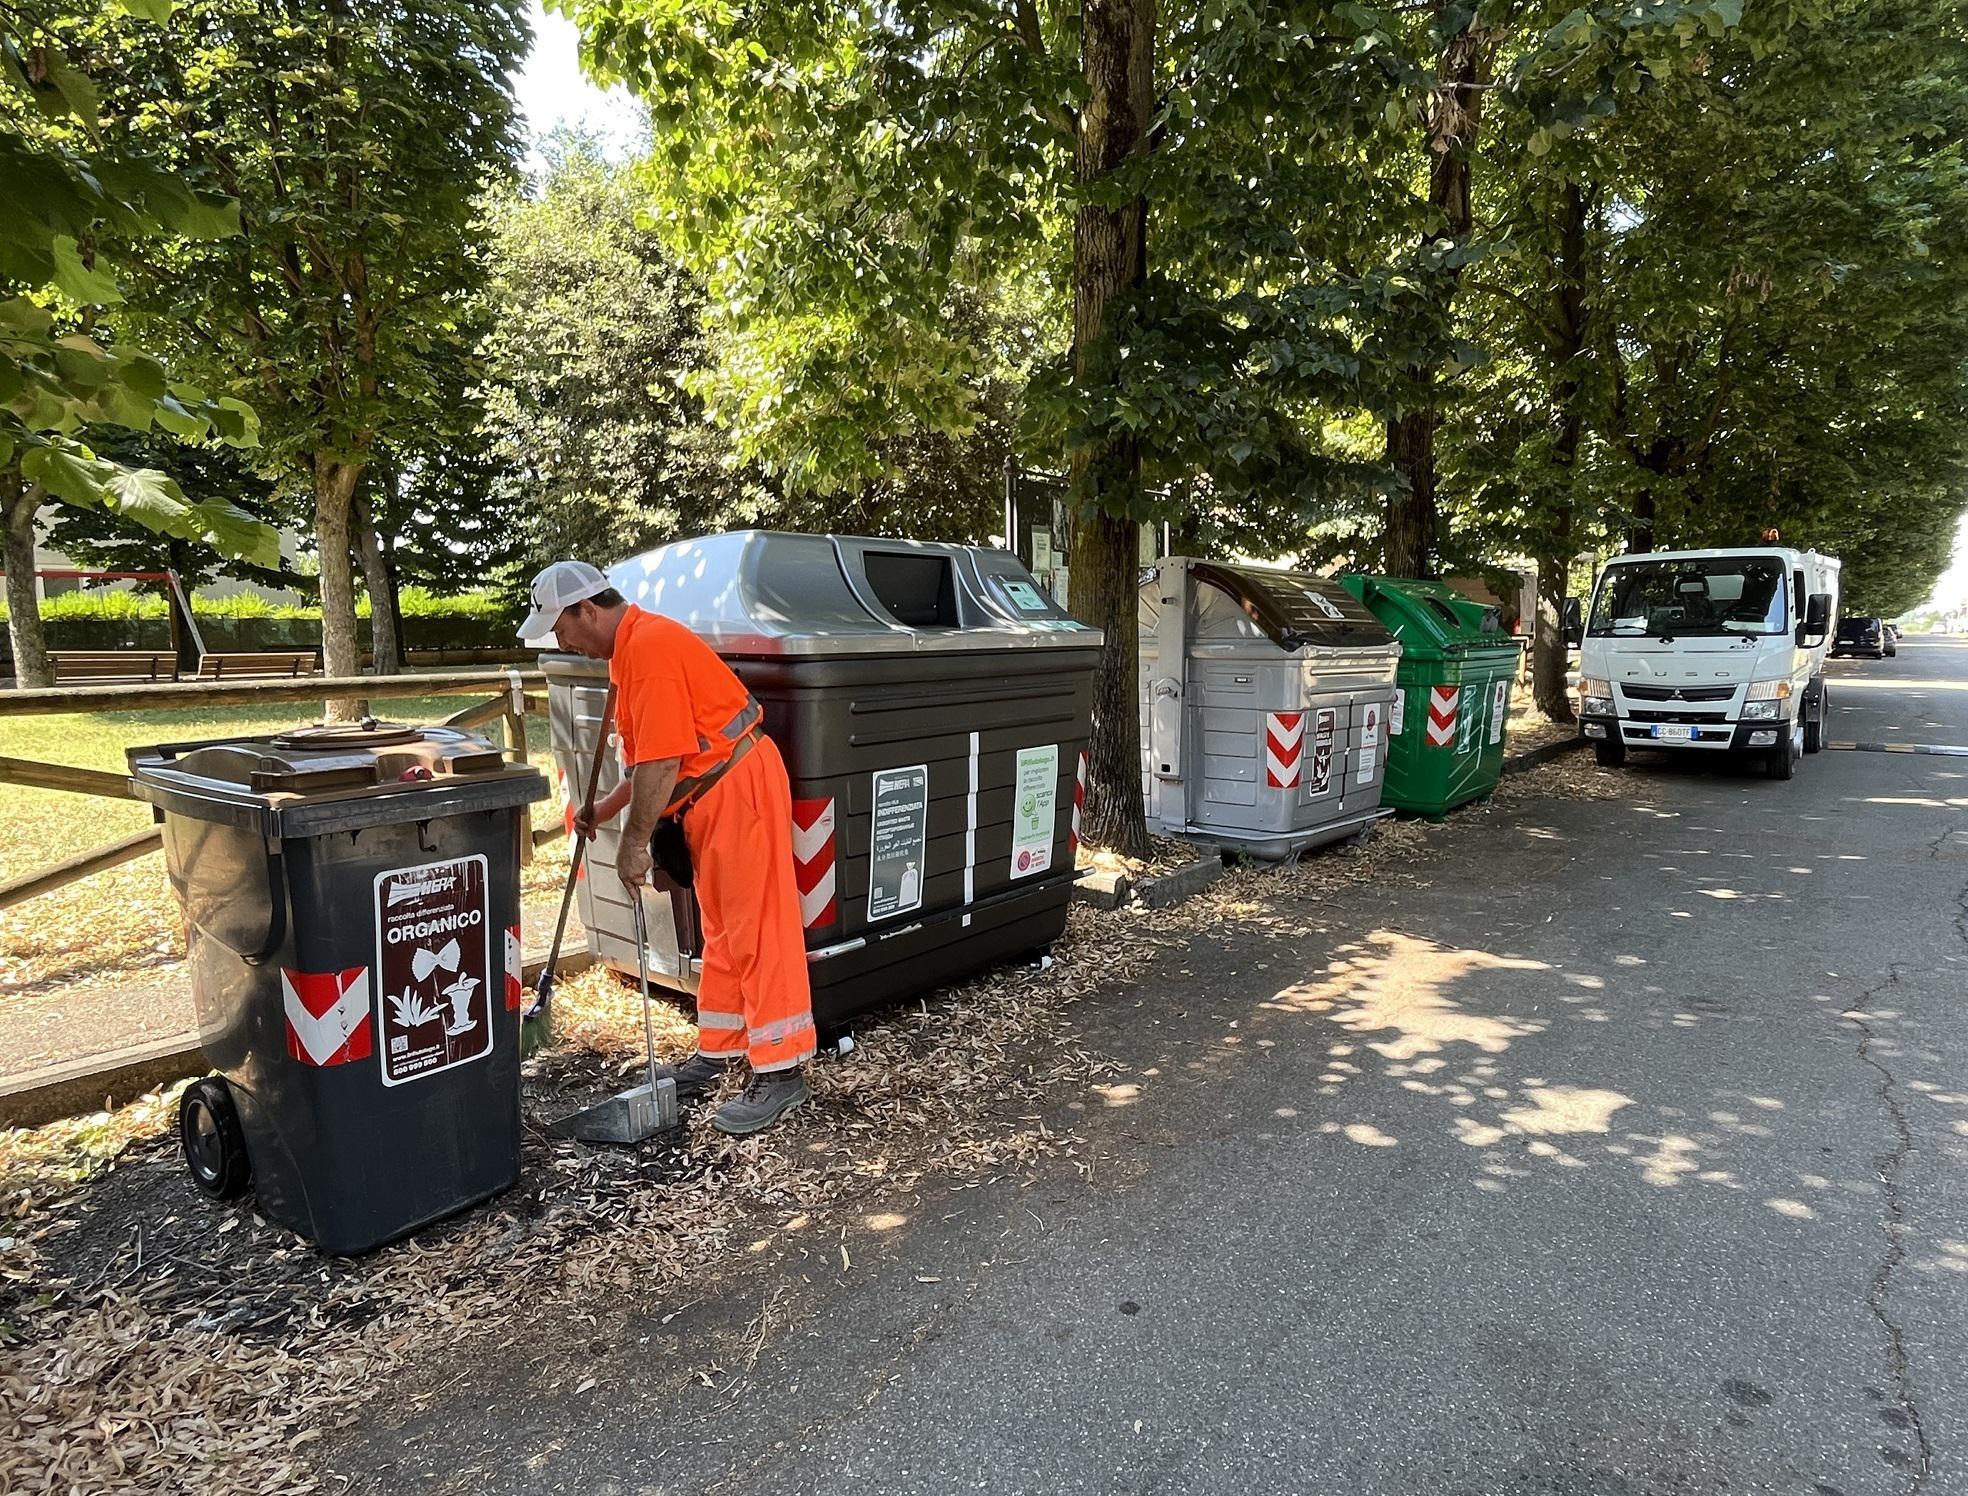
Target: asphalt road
[(1621, 1151)]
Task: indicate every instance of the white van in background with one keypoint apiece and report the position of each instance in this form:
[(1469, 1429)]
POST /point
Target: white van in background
[(1709, 652)]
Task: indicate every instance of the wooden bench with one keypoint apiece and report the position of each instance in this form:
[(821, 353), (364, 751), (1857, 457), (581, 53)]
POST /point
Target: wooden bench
[(277, 665), (112, 666)]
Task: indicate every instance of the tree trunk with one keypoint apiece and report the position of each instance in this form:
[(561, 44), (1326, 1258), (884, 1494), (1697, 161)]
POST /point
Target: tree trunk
[(1117, 48), (1412, 516), (341, 644), (18, 503), (385, 638), (1640, 534), (1549, 652), (1455, 112)]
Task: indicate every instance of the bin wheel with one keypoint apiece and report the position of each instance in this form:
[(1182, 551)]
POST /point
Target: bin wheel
[(214, 1144), (1610, 753)]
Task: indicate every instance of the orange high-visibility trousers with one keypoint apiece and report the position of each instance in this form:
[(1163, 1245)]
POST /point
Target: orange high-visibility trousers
[(752, 993)]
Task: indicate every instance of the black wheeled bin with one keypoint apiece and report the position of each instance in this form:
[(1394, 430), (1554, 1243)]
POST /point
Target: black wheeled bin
[(351, 904), (933, 706)]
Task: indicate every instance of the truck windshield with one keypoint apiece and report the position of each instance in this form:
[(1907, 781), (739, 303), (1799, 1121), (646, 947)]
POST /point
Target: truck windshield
[(1713, 595)]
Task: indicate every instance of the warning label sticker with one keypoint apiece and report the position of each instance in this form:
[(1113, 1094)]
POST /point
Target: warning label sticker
[(434, 963), (1499, 710), (1035, 799), (1397, 713), (1370, 725)]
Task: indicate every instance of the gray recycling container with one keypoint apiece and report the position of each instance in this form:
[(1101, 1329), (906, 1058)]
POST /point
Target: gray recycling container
[(933, 706), (351, 904), (1267, 698)]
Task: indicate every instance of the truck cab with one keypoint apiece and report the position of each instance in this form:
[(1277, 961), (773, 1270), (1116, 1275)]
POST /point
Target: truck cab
[(1718, 651)]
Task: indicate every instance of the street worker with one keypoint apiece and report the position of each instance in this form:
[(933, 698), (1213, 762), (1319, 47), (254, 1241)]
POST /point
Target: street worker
[(695, 751)]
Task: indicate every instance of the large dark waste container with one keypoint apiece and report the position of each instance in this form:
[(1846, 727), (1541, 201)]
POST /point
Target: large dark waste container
[(1457, 665), (932, 705), (351, 904)]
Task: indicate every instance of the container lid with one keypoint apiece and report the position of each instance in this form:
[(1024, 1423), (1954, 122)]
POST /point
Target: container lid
[(315, 779), (1295, 609), (1430, 616), (757, 593)]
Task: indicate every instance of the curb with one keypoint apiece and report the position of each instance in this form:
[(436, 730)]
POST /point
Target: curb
[(97, 1082), (1186, 882), (1530, 758)]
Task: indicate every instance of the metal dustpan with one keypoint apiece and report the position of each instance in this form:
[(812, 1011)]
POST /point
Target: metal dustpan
[(641, 1112)]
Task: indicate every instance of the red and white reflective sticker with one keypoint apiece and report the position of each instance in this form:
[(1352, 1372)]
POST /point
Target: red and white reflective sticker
[(327, 1015), (1284, 744), (515, 971), (1442, 704), (813, 863), (1079, 805)]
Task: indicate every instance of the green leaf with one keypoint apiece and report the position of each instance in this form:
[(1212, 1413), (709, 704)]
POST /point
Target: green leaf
[(77, 93), (158, 11), (79, 282), (68, 472), (180, 422)]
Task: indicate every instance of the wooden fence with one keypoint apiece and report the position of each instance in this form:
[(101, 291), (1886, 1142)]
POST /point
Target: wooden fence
[(510, 694)]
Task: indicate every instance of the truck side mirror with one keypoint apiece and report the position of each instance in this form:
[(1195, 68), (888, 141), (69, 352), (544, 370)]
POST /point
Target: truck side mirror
[(1817, 621), (1574, 623)]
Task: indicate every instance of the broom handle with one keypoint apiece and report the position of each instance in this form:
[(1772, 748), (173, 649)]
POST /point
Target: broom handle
[(580, 842)]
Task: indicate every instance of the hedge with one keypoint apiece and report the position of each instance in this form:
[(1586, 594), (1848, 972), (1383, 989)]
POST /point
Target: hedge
[(140, 620)]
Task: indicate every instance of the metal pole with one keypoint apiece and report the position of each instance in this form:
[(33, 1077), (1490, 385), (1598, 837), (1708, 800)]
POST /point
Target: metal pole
[(642, 972)]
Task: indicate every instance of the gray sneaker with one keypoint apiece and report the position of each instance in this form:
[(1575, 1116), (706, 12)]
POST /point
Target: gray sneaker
[(701, 1074), (765, 1099)]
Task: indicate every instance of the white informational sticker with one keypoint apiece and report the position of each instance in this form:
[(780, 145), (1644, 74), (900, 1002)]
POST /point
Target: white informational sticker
[(1499, 710), (1363, 766), (1034, 807), (1370, 725), (1041, 548), (897, 839), (434, 967), (1397, 713)]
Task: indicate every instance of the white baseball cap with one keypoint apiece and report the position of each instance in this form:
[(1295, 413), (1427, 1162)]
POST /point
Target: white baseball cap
[(560, 586)]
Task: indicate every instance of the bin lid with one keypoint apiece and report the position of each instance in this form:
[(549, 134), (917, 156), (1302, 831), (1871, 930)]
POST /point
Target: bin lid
[(774, 592), (1431, 618), (1294, 609), (315, 779)]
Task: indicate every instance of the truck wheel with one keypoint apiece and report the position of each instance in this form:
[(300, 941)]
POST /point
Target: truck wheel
[(214, 1144), (1611, 753), (1817, 710), (1782, 762)]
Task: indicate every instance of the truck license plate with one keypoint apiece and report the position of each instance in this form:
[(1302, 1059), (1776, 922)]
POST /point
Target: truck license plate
[(1676, 732)]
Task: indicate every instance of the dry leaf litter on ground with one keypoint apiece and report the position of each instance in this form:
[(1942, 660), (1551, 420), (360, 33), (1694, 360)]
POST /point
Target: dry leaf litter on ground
[(152, 1341)]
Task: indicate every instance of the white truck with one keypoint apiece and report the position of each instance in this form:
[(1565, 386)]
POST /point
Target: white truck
[(1709, 652)]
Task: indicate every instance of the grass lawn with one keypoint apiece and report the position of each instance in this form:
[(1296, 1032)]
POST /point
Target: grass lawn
[(126, 918)]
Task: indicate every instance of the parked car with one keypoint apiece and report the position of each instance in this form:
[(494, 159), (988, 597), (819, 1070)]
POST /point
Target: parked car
[(1861, 635)]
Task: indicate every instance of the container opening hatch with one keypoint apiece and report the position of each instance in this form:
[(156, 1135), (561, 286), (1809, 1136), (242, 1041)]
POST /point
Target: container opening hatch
[(918, 589)]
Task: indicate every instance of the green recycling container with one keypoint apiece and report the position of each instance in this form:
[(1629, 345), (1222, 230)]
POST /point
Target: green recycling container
[(1446, 740)]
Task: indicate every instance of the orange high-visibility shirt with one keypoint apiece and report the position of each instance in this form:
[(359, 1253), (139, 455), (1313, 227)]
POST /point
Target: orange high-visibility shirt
[(674, 698)]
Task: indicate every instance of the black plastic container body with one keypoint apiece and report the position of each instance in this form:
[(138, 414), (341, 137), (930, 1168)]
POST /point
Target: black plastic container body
[(359, 990), (966, 719)]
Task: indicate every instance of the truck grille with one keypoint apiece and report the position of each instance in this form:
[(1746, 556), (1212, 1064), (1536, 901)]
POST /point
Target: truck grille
[(1700, 719), (1673, 693)]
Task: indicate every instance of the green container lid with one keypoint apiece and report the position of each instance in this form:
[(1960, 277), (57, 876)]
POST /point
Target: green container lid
[(1433, 621)]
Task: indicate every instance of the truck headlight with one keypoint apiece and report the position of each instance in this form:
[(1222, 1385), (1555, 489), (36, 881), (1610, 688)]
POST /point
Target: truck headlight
[(1769, 690), (1595, 697), (1762, 711)]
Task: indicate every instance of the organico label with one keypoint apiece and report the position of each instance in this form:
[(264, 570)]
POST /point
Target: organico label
[(434, 965), (897, 841)]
